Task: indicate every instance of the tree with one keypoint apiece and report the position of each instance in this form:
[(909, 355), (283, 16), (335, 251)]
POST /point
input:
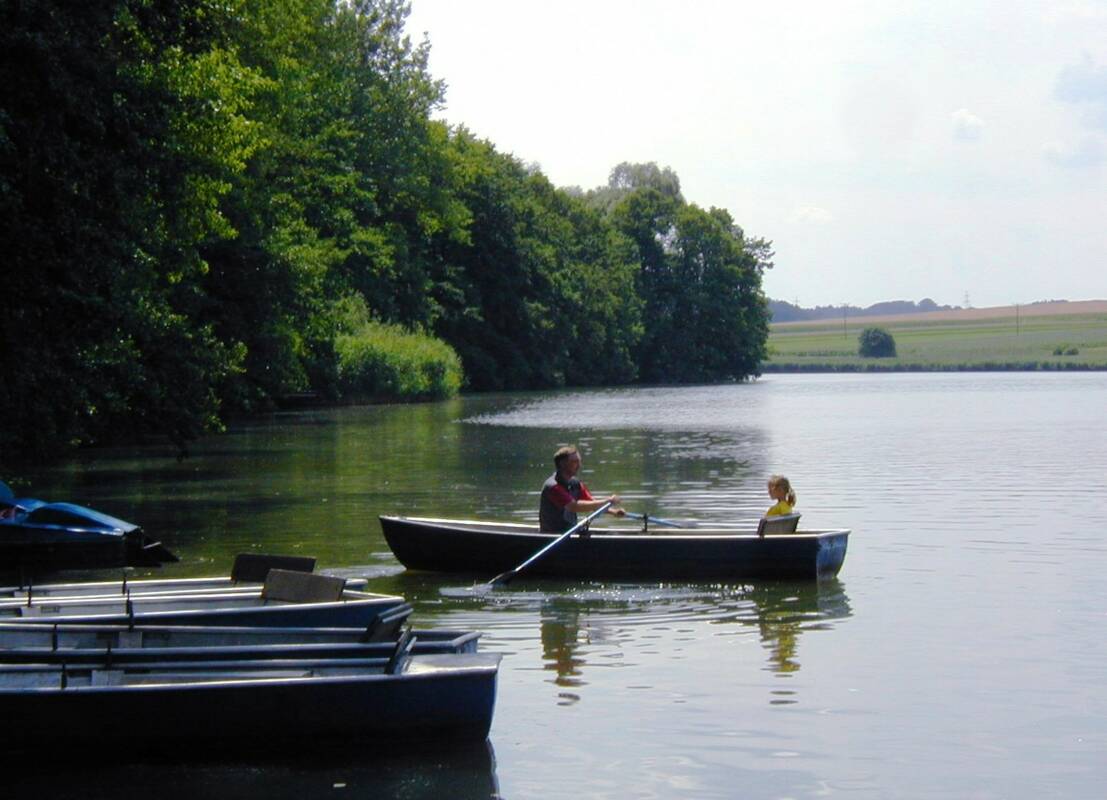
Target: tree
[(121, 124), (343, 200), (540, 290), (704, 315), (876, 343), (628, 177)]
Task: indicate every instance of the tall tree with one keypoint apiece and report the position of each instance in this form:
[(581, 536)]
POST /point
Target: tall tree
[(540, 292), (119, 125), (705, 317), (628, 177)]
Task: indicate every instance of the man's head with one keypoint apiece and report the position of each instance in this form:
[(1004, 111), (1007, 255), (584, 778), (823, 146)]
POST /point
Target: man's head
[(567, 461)]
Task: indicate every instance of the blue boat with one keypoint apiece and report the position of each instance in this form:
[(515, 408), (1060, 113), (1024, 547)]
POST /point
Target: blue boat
[(247, 575), (122, 645), (39, 536), (251, 705), (286, 599)]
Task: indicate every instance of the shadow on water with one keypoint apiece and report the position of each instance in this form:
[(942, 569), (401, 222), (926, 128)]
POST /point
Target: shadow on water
[(354, 770)]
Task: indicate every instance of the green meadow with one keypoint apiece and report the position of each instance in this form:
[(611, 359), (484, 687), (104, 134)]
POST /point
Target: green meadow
[(1076, 341)]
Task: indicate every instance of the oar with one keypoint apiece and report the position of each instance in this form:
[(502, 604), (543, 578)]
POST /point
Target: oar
[(504, 577), (655, 520)]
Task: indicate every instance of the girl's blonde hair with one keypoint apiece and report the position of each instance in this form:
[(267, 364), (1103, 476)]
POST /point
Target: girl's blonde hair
[(785, 484)]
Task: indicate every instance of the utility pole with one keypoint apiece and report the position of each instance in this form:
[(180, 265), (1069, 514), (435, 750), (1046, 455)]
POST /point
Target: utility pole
[(1016, 319)]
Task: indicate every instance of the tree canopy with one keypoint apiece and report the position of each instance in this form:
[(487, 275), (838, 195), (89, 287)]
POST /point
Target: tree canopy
[(193, 197), (876, 343)]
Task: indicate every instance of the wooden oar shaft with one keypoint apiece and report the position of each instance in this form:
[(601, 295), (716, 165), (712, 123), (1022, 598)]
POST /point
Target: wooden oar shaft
[(511, 573)]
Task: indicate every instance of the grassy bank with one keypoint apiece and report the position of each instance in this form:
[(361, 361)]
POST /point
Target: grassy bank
[(1023, 342)]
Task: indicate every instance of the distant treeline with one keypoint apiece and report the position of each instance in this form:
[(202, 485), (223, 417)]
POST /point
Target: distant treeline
[(787, 312), (208, 206)]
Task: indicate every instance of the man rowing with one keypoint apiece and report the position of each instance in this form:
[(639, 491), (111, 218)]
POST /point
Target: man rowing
[(564, 495)]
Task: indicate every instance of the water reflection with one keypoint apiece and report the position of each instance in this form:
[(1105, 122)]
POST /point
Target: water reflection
[(585, 629), (724, 686), (354, 770), (561, 646), (786, 610)]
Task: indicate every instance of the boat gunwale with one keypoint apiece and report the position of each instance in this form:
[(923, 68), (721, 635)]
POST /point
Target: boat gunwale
[(515, 529), (487, 663), (144, 603)]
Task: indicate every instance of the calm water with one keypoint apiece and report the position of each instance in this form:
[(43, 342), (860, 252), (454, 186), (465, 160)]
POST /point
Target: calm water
[(961, 653)]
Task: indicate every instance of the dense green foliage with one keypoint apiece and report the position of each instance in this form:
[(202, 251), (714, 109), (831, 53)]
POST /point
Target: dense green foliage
[(377, 361), (876, 343), (194, 195)]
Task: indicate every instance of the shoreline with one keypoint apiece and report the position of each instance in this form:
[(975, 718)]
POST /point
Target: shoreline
[(1044, 366), (1050, 308)]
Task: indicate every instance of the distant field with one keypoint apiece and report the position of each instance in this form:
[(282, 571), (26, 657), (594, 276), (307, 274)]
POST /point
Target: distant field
[(988, 338)]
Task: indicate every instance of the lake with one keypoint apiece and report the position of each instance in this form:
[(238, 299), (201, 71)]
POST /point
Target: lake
[(960, 653)]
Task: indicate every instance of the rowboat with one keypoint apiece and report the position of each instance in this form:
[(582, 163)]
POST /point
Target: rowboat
[(247, 575), (120, 644), (36, 535), (287, 599), (247, 704), (488, 548), (147, 589)]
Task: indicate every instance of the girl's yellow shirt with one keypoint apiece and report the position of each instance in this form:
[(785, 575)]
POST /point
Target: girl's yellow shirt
[(779, 510)]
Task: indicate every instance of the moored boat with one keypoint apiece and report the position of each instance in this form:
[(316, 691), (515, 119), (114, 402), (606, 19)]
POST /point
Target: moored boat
[(287, 599), (248, 704), (36, 535), (153, 586), (120, 644), (485, 549)]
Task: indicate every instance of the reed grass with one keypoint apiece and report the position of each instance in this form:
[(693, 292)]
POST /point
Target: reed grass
[(386, 362)]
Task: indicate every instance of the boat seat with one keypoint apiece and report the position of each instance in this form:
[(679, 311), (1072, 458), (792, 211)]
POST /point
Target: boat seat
[(254, 567), (301, 587), (385, 627), (129, 639), (106, 677), (398, 660), (772, 526)]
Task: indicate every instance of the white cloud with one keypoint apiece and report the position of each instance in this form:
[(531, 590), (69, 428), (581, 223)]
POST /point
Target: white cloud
[(1087, 153), (966, 125), (1084, 84), (812, 214), (1082, 11)]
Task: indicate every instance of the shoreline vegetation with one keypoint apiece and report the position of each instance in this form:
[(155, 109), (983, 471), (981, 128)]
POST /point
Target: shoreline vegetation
[(1054, 336), (209, 207), (248, 200)]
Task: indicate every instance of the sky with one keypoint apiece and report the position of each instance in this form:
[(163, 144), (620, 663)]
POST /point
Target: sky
[(890, 150)]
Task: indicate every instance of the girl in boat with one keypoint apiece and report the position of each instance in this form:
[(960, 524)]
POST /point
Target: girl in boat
[(780, 489)]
